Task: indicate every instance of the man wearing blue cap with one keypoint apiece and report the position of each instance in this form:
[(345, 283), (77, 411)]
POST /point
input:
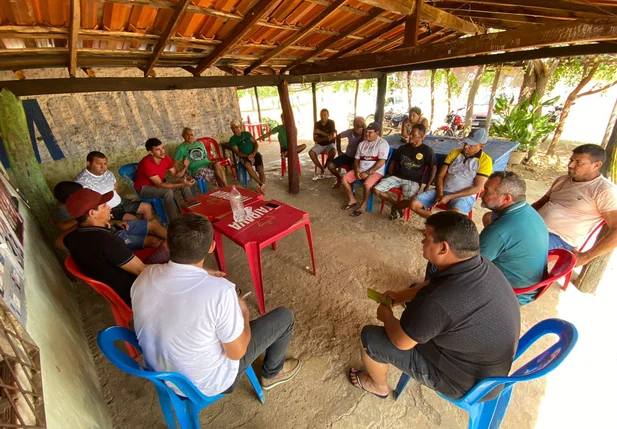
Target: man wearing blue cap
[(461, 177)]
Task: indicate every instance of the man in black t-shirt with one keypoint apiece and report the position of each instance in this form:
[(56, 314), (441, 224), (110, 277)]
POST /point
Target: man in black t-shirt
[(99, 253), (460, 327), (408, 168), (324, 135)]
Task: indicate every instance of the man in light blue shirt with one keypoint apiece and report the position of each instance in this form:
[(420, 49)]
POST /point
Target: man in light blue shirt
[(515, 237)]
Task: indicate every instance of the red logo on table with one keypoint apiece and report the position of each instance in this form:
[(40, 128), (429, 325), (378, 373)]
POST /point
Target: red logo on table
[(257, 214)]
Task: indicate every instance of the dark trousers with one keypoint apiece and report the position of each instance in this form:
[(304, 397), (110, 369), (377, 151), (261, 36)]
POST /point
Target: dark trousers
[(270, 333)]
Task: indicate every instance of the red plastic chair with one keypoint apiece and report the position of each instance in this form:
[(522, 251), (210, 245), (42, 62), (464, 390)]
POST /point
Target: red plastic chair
[(224, 162), (323, 157), (122, 313), (284, 165), (399, 194), (564, 264), (445, 207), (592, 235), (144, 253)]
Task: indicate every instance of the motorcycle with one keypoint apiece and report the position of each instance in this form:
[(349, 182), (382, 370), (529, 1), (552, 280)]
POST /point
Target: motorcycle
[(393, 121), (454, 125)]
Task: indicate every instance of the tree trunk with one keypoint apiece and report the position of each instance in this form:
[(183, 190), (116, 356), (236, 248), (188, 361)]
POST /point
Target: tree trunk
[(25, 170), (355, 99), (491, 101), (449, 90), (258, 106), (292, 138), (472, 97), (409, 91), (610, 126), (432, 97), (382, 88), (587, 75), (314, 91), (529, 82), (543, 70)]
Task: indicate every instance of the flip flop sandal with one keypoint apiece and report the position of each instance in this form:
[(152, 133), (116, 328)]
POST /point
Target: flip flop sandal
[(336, 185), (356, 213), (356, 375), (349, 206)]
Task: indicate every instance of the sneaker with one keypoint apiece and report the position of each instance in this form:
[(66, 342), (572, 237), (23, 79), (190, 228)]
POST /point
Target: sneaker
[(322, 176), (395, 213), (289, 371), (316, 177)]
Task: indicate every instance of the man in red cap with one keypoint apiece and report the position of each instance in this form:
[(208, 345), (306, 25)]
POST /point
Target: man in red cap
[(97, 250)]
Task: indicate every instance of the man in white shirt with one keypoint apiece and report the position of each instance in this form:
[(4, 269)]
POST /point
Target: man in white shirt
[(190, 322), (369, 166), (576, 202), (97, 177)]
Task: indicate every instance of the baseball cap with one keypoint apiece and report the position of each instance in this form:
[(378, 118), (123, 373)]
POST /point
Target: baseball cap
[(374, 126), (84, 200), (234, 123), (477, 136)]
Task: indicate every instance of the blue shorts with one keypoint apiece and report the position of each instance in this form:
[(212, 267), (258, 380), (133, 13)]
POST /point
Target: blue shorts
[(135, 236), (556, 242), (463, 204)]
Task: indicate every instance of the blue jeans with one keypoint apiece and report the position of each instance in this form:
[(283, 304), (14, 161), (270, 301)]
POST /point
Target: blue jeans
[(463, 204), (135, 235), (556, 242)]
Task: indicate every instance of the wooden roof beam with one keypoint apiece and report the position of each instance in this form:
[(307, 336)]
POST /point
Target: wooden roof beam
[(166, 35), (551, 5), (362, 23), (559, 14), (412, 26), (73, 35), (297, 36), (256, 13), (483, 44), (166, 4), (369, 39), (354, 11)]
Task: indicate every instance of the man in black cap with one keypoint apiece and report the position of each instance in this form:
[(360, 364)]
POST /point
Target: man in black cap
[(368, 166)]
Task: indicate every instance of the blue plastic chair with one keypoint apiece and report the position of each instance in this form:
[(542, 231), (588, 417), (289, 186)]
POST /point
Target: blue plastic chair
[(489, 414), (203, 185), (369, 203), (186, 408), (243, 175), (127, 172)]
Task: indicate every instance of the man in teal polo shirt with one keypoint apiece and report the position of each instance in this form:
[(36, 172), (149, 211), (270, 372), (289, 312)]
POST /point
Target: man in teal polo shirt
[(516, 237)]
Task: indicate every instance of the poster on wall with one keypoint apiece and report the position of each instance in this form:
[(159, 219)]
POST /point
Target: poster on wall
[(12, 280)]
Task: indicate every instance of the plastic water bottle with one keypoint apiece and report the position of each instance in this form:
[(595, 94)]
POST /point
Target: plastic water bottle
[(237, 206)]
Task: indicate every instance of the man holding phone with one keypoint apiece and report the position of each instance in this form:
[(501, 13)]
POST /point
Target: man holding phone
[(457, 329), (194, 323)]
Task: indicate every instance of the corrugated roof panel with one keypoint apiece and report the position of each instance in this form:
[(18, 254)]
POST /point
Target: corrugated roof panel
[(305, 20), (304, 10), (142, 18), (90, 14), (116, 16), (54, 12), (19, 13), (284, 9)]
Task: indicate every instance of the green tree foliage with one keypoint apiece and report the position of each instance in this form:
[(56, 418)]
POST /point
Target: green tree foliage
[(572, 70), (446, 77), (521, 123)]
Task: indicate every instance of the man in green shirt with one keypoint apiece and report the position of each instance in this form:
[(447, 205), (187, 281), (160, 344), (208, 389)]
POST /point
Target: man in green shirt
[(282, 132), (244, 146), (199, 164)]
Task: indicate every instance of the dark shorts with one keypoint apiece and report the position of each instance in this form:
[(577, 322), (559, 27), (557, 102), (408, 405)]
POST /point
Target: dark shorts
[(126, 206), (259, 161), (344, 159), (379, 348)]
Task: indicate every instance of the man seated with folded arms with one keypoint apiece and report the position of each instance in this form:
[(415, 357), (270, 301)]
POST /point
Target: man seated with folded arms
[(282, 133), (137, 234), (354, 136), (199, 164), (459, 180), (456, 330), (150, 177), (191, 322), (97, 177), (408, 166), (516, 240), (576, 202), (369, 166), (99, 253), (245, 147)]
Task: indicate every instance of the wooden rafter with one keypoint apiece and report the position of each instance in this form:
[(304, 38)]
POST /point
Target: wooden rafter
[(73, 36), (504, 17), (412, 24), (402, 7), (297, 36), (169, 31), (482, 44), (359, 25), (253, 16), (369, 39), (558, 14), (166, 4), (354, 11), (548, 5)]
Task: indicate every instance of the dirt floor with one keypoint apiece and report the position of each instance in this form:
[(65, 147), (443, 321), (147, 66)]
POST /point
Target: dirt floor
[(330, 309)]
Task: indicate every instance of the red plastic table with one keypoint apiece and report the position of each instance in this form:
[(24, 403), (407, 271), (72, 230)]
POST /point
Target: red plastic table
[(271, 221), (215, 204)]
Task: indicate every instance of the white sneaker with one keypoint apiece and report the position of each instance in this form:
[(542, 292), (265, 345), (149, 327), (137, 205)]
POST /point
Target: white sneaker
[(322, 176), (317, 177)]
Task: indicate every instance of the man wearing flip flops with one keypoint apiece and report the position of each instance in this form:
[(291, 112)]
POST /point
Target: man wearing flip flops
[(458, 328), (369, 166)]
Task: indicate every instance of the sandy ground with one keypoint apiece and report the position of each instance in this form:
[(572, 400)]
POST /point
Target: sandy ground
[(330, 309)]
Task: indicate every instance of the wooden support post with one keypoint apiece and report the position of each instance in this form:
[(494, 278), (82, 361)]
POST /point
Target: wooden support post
[(24, 171), (412, 23), (73, 34), (382, 87), (314, 90), (258, 106), (292, 138), (592, 273)]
